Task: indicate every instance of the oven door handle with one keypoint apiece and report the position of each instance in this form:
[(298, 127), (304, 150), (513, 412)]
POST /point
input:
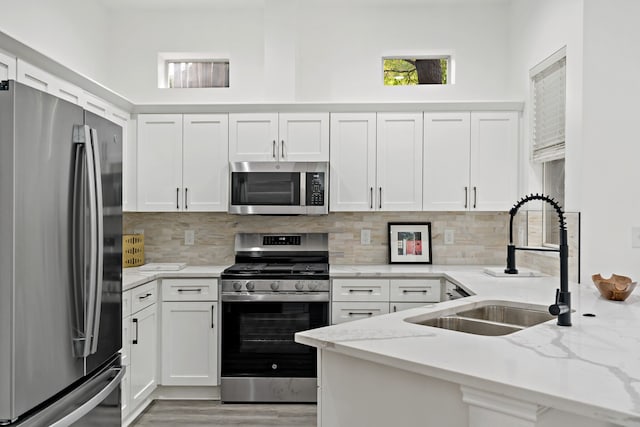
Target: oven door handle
[(275, 297)]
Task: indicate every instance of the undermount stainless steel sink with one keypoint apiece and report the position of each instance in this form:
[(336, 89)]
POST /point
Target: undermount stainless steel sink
[(508, 314), (471, 326), (491, 318)]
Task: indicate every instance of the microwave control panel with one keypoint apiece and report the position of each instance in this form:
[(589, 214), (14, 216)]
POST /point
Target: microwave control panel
[(315, 188)]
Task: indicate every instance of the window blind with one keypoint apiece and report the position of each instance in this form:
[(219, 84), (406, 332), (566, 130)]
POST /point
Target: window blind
[(549, 101), (198, 74)]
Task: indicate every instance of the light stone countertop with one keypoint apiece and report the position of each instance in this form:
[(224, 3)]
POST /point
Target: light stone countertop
[(591, 368), (133, 277)]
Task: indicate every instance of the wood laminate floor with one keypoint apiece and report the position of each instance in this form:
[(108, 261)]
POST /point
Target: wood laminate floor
[(187, 413)]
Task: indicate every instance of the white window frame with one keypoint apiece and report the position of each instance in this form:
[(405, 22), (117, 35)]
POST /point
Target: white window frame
[(553, 151), (165, 57)]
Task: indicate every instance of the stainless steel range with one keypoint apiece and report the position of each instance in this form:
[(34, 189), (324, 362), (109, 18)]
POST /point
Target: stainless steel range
[(278, 286)]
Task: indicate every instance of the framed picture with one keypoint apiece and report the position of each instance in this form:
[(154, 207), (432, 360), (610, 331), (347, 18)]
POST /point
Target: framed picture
[(409, 243)]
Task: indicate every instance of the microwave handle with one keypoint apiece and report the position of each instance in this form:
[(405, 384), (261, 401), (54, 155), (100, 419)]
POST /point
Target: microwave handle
[(303, 189)]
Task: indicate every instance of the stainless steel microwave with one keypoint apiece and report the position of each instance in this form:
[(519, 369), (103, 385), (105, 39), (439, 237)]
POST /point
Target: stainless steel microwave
[(279, 188)]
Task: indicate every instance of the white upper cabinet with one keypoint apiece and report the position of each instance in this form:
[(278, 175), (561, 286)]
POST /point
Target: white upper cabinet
[(399, 161), (494, 160), (7, 67), (470, 161), (279, 137), (447, 139), (376, 162), (353, 162), (159, 162), (182, 167), (205, 174), (33, 76)]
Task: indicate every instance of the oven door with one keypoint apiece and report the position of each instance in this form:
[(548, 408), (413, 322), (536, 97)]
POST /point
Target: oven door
[(260, 359)]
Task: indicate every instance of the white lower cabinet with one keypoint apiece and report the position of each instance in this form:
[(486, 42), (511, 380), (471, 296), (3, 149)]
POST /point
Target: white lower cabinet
[(189, 345), (189, 332), (360, 298), (142, 342)]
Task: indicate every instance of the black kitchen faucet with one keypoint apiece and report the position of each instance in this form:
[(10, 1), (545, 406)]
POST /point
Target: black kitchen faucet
[(562, 306)]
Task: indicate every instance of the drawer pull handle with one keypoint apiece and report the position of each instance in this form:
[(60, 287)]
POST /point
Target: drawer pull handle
[(369, 291), (144, 297), (368, 313), (414, 291), (198, 290)]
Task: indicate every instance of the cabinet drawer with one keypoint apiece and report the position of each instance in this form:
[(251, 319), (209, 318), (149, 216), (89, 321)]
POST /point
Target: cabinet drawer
[(143, 296), (360, 290), (126, 304), (205, 289), (399, 306), (347, 311), (415, 290)]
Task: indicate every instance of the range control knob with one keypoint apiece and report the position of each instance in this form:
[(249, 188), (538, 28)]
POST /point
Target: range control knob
[(299, 286), (237, 286), (275, 286), (313, 286), (250, 286)]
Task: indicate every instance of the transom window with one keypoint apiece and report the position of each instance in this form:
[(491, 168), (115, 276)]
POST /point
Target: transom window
[(197, 74), (409, 71)]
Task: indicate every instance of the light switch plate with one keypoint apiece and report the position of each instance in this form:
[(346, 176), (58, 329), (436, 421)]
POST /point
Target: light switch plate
[(365, 236), (635, 237)]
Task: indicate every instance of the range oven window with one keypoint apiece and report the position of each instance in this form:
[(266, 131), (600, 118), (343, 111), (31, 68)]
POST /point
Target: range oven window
[(258, 338), (265, 188)]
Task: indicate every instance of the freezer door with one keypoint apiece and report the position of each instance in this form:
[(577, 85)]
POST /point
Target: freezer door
[(109, 159), (94, 403), (39, 327)]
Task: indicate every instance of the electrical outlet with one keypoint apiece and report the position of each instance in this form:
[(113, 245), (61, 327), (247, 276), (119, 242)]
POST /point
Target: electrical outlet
[(448, 237), (365, 237), (635, 237), (138, 231), (189, 237)]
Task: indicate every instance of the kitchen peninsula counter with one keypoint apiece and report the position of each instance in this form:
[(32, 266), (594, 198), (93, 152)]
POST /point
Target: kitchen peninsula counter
[(587, 374)]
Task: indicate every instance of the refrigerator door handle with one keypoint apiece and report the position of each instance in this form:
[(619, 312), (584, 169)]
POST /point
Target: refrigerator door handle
[(95, 400), (88, 289), (86, 297), (99, 212)]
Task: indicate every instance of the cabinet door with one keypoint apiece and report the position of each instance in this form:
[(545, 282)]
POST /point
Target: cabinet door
[(67, 91), (160, 162), (205, 164), (415, 290), (95, 105), (304, 137), (353, 162), (494, 160), (144, 353), (447, 139), (399, 162), (7, 67), (253, 137), (189, 343)]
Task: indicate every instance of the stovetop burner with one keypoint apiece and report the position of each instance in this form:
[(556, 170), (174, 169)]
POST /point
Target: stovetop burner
[(278, 268)]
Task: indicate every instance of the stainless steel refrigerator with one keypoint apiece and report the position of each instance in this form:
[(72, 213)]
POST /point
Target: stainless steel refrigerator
[(60, 262)]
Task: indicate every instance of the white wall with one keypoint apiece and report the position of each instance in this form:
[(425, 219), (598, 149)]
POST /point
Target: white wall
[(316, 51), (71, 32), (138, 35), (611, 175), (539, 28)]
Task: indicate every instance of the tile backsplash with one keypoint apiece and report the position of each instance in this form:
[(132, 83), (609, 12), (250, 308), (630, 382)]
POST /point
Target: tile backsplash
[(479, 238)]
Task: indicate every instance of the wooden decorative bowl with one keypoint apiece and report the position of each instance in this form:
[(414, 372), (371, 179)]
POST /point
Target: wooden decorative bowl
[(615, 288)]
